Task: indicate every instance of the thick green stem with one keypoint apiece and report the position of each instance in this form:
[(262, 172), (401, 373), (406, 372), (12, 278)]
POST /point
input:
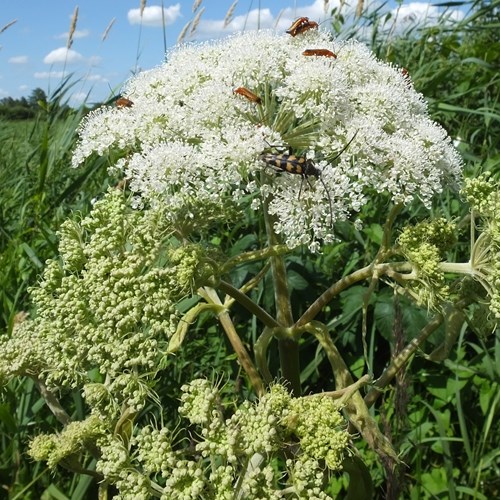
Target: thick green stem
[(260, 349), (328, 295), (389, 222), (366, 272), (343, 395), (243, 258), (210, 295), (248, 304), (356, 407), (288, 347)]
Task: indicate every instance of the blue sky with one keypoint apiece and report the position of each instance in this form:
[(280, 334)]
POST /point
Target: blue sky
[(33, 50)]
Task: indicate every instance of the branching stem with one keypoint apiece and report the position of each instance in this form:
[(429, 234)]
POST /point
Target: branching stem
[(210, 295)]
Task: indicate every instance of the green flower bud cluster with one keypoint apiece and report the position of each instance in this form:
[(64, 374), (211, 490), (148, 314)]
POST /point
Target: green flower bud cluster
[(198, 401), (259, 483), (258, 428), (108, 305), (425, 245), (317, 422), (186, 481), (53, 448), (238, 456), (191, 265), (483, 194), (308, 479), (154, 450), (116, 466), (263, 429)]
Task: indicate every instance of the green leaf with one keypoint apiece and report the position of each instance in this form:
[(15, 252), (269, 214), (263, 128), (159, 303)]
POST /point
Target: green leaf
[(360, 481), (296, 281), (243, 244), (435, 482), (7, 418), (32, 255), (374, 232), (53, 493)]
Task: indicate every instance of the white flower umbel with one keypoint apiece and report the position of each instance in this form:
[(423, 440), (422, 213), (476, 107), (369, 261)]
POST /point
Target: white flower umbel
[(188, 139)]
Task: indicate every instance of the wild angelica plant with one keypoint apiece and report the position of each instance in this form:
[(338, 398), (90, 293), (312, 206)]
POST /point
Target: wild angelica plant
[(110, 314)]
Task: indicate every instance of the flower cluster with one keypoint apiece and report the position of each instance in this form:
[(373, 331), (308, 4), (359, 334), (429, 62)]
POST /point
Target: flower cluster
[(308, 479), (116, 466), (53, 448), (239, 455), (425, 245), (188, 141), (108, 305), (316, 421), (483, 195)]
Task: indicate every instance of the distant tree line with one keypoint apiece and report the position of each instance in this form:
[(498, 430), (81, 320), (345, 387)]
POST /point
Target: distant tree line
[(25, 108)]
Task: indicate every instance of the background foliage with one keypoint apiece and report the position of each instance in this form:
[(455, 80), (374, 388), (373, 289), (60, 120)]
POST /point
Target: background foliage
[(440, 415)]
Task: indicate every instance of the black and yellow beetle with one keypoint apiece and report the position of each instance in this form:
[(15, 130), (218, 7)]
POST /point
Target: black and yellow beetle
[(301, 165), (291, 163)]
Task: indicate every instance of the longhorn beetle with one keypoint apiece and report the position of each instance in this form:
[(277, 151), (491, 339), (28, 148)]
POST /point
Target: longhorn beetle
[(300, 165)]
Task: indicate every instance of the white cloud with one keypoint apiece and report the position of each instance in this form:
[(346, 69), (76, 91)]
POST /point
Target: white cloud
[(152, 15), (18, 60), (249, 21), (411, 14), (76, 34), (43, 75), (265, 19), (79, 97), (3, 93), (62, 55), (24, 87), (419, 14), (95, 78), (416, 12)]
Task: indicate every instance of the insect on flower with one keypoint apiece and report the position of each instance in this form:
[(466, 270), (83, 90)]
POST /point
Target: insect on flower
[(407, 77), (248, 94), (123, 102), (301, 25), (300, 165), (319, 52), (291, 163)]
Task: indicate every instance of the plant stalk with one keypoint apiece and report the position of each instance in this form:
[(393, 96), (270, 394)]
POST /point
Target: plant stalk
[(243, 357), (288, 347)]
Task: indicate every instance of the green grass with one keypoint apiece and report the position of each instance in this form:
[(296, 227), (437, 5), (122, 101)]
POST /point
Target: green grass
[(39, 190)]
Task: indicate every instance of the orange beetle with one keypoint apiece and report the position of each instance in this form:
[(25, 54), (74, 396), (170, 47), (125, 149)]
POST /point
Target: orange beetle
[(319, 52), (248, 94), (301, 25), (123, 102)]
